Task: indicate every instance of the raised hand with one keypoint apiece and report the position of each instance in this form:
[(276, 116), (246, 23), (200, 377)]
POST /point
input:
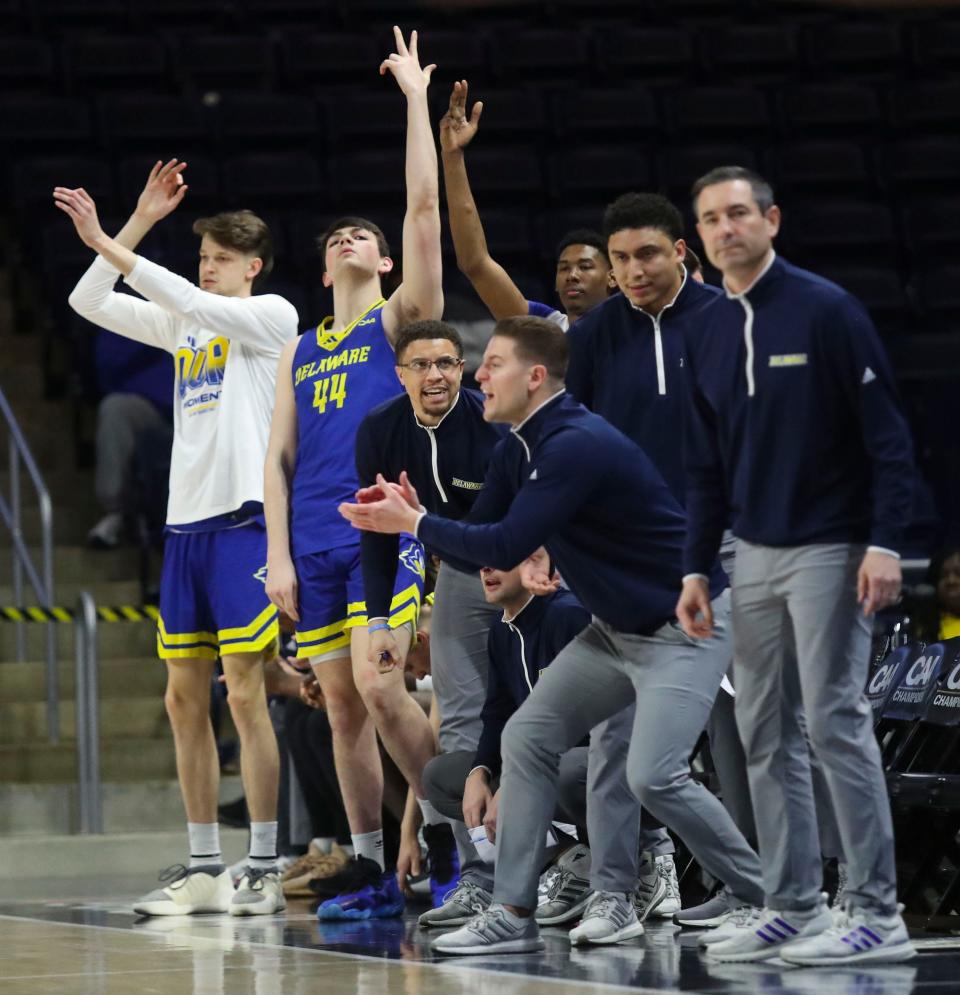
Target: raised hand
[(405, 65), (456, 129), (163, 191), (78, 205)]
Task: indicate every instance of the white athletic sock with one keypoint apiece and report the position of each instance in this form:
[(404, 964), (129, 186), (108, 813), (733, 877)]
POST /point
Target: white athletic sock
[(323, 844), (204, 843), (263, 844), (369, 845), (431, 817)]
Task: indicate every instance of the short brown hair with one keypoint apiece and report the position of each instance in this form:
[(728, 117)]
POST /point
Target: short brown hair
[(426, 330), (352, 221), (537, 340), (243, 232), (759, 187)]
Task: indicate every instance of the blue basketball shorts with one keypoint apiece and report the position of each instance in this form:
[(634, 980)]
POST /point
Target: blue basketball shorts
[(332, 598), (213, 599)]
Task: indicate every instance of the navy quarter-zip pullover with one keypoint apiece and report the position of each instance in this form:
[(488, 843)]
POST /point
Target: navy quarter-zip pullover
[(520, 649), (446, 463), (795, 425), (628, 366), (568, 480)]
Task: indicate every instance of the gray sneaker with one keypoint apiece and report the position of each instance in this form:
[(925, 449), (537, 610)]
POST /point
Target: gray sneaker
[(569, 889), (459, 907), (708, 915), (650, 894), (494, 931), (609, 918)]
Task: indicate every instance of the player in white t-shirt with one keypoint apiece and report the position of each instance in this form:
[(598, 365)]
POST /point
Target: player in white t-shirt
[(225, 344)]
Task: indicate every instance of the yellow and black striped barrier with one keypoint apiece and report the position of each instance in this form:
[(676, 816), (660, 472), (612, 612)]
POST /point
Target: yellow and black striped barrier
[(105, 613)]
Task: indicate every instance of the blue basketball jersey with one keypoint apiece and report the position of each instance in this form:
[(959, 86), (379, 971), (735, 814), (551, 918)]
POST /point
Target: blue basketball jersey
[(337, 378)]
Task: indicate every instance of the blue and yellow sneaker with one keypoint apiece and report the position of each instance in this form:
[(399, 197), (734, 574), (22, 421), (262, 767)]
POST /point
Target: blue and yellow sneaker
[(443, 861), (373, 894)]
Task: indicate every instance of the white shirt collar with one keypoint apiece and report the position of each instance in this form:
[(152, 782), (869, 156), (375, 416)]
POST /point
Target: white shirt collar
[(518, 612)]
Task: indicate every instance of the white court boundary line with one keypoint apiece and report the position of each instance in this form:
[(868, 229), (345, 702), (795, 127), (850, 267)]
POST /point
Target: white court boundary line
[(443, 967)]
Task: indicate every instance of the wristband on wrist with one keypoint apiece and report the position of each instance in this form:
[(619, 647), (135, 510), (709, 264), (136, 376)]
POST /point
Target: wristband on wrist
[(379, 627)]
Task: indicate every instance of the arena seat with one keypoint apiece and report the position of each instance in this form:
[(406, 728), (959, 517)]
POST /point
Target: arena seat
[(33, 124), (538, 53), (156, 124), (867, 49), (936, 46), (519, 173), (829, 110), (651, 54), (219, 62), (272, 181), (599, 171), (826, 166), (27, 64), (575, 111), (334, 58), (931, 226), (831, 228), (365, 120), (681, 165), (751, 53), (932, 164), (105, 62), (928, 108), (246, 119), (707, 112)]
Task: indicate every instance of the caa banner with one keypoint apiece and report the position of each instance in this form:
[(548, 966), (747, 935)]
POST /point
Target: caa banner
[(887, 676), (915, 683), (944, 708)]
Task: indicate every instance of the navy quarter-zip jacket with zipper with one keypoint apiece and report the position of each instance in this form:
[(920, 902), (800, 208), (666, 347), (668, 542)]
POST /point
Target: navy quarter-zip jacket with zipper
[(520, 649), (629, 367), (795, 424), (568, 480), (446, 464)]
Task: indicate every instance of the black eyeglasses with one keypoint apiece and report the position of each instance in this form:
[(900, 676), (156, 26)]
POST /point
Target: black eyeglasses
[(445, 364)]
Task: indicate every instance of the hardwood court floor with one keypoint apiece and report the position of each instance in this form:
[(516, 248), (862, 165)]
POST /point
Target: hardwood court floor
[(84, 939)]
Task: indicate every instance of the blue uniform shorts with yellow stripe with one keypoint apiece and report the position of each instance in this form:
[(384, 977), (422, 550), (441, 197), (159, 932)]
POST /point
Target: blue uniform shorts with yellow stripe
[(332, 599), (213, 599)]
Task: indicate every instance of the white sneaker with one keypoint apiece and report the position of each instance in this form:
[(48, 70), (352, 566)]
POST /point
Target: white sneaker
[(767, 937), (609, 918), (108, 532), (493, 931), (191, 891), (731, 923), (259, 893), (667, 870), (858, 936), (569, 890)]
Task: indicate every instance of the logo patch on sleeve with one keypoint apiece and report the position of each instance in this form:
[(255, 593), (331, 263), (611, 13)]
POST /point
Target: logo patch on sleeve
[(789, 359)]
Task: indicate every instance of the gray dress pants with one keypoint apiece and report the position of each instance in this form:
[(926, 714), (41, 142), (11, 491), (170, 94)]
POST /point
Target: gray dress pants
[(674, 681), (798, 628), (458, 654)]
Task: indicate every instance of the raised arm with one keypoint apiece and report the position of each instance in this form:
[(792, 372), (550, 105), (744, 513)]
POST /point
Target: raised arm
[(277, 475), (420, 296), (263, 323), (94, 297), (488, 278)]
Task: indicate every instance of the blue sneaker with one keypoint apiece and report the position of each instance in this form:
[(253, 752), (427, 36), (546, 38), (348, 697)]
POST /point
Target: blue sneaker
[(374, 894), (443, 861)]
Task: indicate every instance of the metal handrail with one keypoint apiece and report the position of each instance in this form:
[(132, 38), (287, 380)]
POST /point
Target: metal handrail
[(42, 584), (88, 716)]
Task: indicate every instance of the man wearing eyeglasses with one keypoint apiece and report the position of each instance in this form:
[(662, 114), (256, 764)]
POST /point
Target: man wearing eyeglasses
[(438, 436)]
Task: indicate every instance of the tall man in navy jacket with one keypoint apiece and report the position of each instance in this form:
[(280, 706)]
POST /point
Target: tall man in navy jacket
[(567, 480), (797, 430), (626, 363)]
